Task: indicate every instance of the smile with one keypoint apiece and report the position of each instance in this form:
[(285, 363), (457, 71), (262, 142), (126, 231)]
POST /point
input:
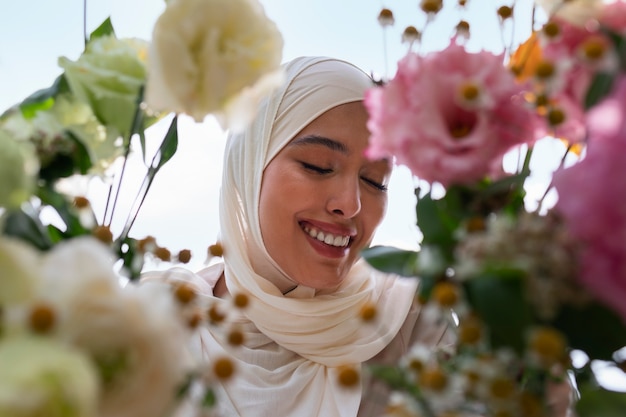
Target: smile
[(327, 238)]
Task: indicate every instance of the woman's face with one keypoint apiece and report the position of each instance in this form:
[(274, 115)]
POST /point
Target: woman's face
[(321, 199)]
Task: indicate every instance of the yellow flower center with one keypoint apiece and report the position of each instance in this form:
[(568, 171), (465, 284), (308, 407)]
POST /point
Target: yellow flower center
[(163, 254), (551, 29), (470, 331), (445, 294), (184, 256), (223, 368), (470, 91), (184, 293), (434, 379), (502, 388), (348, 376), (544, 70), (241, 300), (81, 202), (555, 116), (593, 49), (215, 316), (42, 318), (549, 344), (235, 337), (368, 312)]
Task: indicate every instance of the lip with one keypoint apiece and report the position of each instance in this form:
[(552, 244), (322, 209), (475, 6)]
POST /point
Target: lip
[(323, 249)]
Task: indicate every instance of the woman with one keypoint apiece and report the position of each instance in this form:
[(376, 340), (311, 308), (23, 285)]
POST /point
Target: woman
[(299, 201)]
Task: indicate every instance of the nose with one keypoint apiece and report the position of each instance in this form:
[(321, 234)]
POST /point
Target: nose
[(345, 199)]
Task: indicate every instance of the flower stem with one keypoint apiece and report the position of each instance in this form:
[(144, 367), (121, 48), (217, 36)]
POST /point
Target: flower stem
[(561, 164)]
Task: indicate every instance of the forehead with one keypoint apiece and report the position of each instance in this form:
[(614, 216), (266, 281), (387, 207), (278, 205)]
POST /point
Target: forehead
[(346, 125)]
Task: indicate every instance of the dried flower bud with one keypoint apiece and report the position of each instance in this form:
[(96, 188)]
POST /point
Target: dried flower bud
[(463, 29), (103, 234), (410, 35), (81, 202), (42, 318), (385, 18), (147, 244), (216, 250), (476, 224), (505, 12), (431, 6), (541, 100), (348, 376), (163, 254), (462, 3), (184, 256), (223, 368)]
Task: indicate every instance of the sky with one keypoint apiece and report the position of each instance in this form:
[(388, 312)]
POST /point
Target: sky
[(181, 208)]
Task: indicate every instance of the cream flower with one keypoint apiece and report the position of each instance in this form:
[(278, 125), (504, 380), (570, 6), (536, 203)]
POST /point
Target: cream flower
[(108, 77), (204, 53), (41, 377), (133, 334), (577, 12), (18, 269), (18, 170)]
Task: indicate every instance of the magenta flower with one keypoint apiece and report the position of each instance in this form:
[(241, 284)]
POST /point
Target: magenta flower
[(449, 116), (592, 199)]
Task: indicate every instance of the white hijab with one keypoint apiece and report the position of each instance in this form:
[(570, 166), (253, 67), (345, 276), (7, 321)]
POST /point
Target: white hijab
[(295, 342)]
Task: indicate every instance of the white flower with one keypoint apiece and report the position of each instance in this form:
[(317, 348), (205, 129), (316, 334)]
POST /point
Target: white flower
[(577, 12), (133, 334), (40, 377), (204, 53), (18, 271), (18, 170), (108, 77)]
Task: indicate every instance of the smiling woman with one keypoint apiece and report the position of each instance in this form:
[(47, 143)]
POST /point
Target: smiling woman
[(299, 202)]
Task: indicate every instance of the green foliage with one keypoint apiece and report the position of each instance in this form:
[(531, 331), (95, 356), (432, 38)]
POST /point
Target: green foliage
[(604, 331), (105, 28), (43, 99), (392, 260), (598, 402), (499, 299), (601, 85)]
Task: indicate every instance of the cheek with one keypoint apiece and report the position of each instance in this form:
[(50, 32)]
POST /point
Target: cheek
[(374, 209)]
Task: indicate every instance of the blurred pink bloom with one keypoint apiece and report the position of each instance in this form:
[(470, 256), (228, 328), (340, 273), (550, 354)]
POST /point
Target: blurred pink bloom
[(592, 198), (613, 16), (422, 117)]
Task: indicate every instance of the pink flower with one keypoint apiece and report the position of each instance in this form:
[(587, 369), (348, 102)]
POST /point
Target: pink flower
[(613, 16), (429, 118), (592, 199)]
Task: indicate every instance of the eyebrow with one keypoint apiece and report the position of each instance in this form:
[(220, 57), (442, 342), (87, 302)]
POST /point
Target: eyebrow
[(320, 140)]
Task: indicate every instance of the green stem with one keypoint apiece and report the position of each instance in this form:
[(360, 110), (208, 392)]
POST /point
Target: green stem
[(561, 164)]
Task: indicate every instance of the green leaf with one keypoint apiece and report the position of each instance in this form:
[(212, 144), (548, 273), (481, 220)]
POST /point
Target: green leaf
[(209, 399), (28, 228), (168, 146), (66, 212), (604, 331), (499, 299), (438, 220), (43, 99), (598, 402), (105, 28), (65, 164), (392, 260), (601, 85)]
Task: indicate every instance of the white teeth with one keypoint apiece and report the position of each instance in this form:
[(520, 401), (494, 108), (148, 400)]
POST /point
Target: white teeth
[(328, 238)]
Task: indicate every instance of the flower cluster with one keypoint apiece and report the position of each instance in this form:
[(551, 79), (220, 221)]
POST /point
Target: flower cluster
[(527, 286), (78, 332)]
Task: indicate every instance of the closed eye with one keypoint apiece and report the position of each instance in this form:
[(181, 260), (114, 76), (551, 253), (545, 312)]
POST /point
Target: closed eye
[(316, 169), (377, 185)]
